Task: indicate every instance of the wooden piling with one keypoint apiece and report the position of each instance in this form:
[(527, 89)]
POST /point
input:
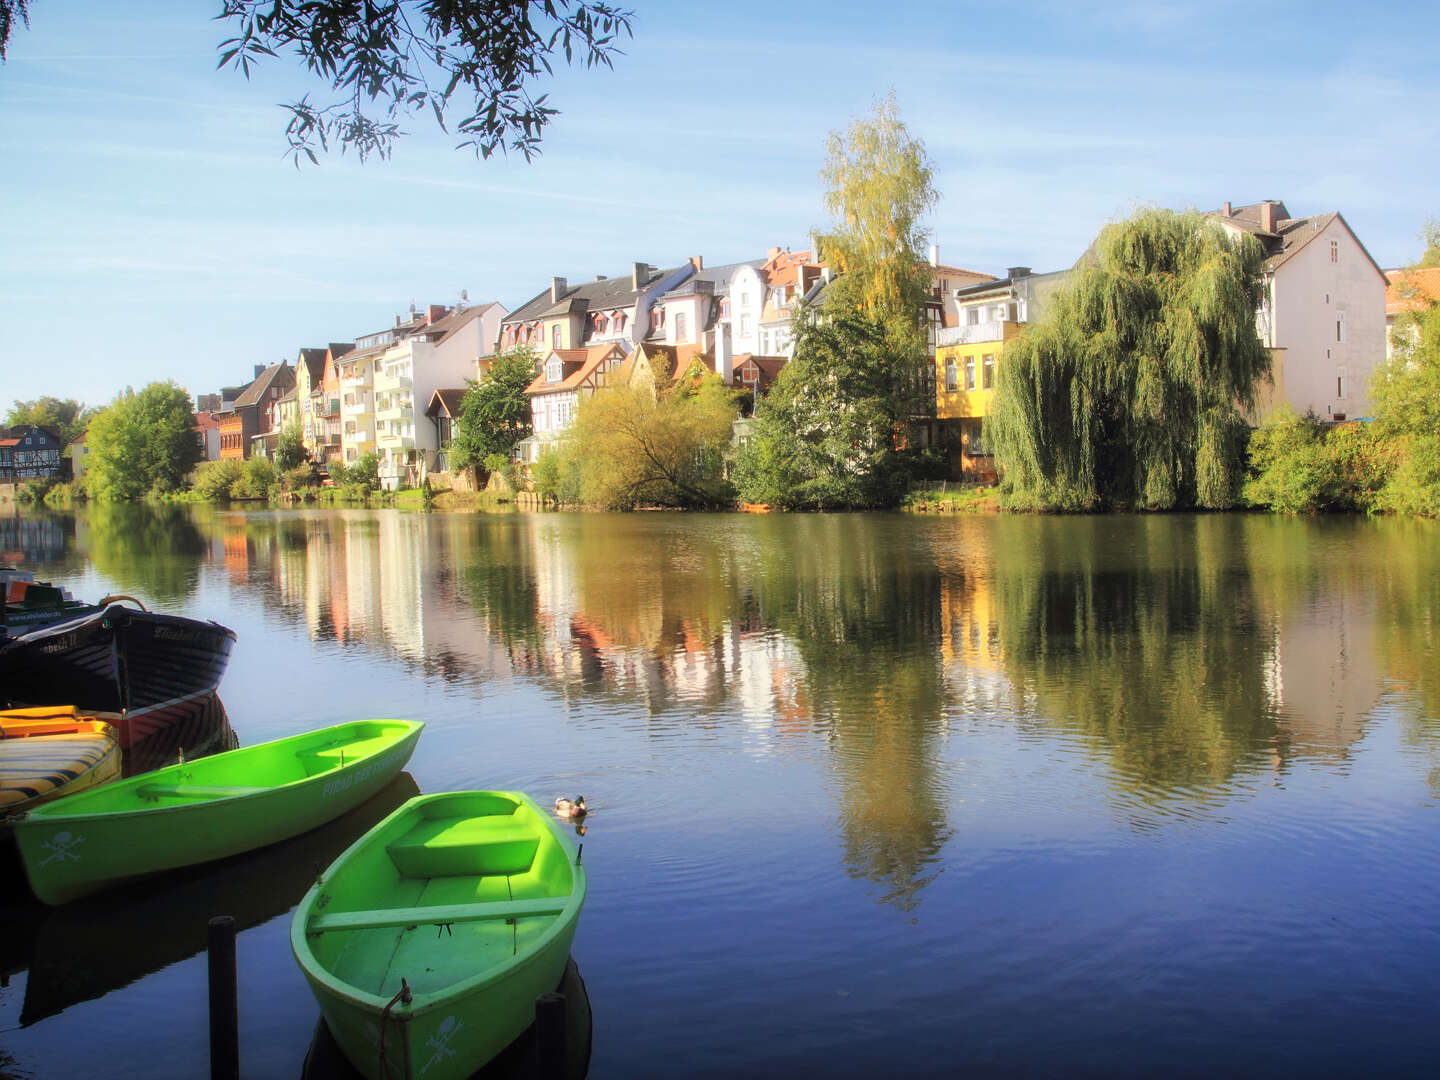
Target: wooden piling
[(224, 1005), (550, 1036)]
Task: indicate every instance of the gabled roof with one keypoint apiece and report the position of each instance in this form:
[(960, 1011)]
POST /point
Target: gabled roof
[(769, 367), (1290, 235), (252, 394), (611, 292), (445, 402), (442, 330), (577, 366), (1411, 290), (204, 421), (314, 361), (718, 276)]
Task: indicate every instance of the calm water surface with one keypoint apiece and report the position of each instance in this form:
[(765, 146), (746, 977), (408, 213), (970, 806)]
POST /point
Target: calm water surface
[(870, 794)]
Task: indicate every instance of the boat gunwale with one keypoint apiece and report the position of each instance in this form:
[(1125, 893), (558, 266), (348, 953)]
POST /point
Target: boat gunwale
[(424, 1002), (56, 811), (39, 633)]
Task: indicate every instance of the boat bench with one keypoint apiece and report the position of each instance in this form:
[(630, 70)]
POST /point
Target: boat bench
[(438, 914), (196, 791), (509, 849)]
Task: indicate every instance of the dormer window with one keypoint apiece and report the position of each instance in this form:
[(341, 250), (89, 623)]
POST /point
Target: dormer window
[(552, 369), (619, 321)]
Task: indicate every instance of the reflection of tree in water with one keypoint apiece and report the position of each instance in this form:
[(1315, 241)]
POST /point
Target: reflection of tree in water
[(862, 607), (1142, 633), (491, 569), (151, 550)]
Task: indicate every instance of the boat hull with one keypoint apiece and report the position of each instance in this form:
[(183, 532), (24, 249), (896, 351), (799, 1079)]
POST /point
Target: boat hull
[(208, 809), (465, 1007), (130, 667)]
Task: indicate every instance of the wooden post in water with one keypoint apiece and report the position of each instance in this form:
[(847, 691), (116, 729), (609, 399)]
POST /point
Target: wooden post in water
[(550, 1036), (224, 1014)]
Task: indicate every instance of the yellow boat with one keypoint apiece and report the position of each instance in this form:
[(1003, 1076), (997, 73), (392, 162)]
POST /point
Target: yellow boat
[(53, 751)]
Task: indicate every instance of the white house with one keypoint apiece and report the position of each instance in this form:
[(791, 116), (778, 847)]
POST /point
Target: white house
[(1323, 311)]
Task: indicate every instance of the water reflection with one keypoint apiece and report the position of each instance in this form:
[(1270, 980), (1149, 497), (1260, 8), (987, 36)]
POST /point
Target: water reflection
[(1191, 655)]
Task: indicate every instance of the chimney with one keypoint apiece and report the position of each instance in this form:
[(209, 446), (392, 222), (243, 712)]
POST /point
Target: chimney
[(1017, 272), (697, 262), (1267, 215), (774, 251), (638, 273), (558, 288), (398, 319), (259, 370), (601, 277), (1228, 212), (436, 312), (934, 254)]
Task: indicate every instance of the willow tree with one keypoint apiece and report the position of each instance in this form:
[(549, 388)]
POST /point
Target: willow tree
[(880, 187), (1132, 391)]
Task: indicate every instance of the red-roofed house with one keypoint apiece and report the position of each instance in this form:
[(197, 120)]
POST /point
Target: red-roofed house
[(566, 376), (1408, 290)]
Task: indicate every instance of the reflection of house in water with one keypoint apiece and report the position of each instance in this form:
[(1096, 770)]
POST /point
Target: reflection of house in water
[(34, 541), (1321, 674)]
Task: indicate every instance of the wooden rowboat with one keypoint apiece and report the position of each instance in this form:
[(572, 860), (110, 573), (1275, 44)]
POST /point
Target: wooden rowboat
[(217, 806), (428, 941), (51, 752)]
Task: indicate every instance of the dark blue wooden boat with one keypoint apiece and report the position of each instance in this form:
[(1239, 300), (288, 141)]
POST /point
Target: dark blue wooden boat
[(138, 669)]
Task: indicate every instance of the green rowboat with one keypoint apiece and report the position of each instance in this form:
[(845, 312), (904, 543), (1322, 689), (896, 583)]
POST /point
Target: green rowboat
[(209, 808), (428, 941)]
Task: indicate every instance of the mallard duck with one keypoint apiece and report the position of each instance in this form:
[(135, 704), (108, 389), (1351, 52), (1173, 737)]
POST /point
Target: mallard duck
[(571, 808)]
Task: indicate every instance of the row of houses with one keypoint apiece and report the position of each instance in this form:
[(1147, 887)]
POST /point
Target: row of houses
[(396, 392)]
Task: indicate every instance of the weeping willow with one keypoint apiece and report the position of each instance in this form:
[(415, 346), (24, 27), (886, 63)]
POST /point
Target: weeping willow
[(1133, 388)]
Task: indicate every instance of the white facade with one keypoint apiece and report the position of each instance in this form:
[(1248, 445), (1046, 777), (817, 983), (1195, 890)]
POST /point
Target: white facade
[(406, 377), (1324, 317)]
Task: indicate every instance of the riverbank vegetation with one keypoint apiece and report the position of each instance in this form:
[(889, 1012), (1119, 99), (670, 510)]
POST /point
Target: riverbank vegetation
[(1131, 391)]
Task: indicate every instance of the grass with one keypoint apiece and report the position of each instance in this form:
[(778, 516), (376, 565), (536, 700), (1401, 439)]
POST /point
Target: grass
[(952, 498)]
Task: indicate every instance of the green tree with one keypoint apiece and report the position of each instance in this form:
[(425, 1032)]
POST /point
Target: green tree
[(68, 417), (1132, 391), (495, 412), (879, 190), (1431, 235), (634, 448), (1406, 393), (290, 448), (142, 443), (474, 64), (826, 434)]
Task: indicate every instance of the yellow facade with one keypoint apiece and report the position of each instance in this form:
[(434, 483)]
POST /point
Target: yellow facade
[(975, 368)]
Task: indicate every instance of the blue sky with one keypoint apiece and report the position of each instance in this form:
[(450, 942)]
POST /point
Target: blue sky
[(153, 228)]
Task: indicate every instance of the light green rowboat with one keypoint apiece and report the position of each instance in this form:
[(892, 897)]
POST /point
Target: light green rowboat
[(209, 808), (471, 899)]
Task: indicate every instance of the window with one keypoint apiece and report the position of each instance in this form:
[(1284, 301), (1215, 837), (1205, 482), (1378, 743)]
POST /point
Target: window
[(969, 373), (552, 369), (1340, 326), (745, 300), (1334, 251), (972, 316), (747, 326), (657, 318), (999, 313), (1340, 386), (987, 375), (952, 376), (680, 328), (724, 307), (555, 336), (619, 321)]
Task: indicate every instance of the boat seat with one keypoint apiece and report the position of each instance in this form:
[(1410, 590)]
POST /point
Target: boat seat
[(439, 914), (497, 848), (196, 791)]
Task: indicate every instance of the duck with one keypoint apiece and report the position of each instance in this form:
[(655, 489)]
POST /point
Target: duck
[(571, 808)]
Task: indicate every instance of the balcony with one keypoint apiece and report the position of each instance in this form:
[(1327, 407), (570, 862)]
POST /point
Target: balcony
[(396, 442), (391, 383), (395, 409), (975, 333)]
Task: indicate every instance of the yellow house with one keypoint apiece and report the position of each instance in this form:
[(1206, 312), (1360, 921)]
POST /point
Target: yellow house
[(968, 357)]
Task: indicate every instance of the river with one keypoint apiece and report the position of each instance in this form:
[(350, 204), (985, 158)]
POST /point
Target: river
[(871, 794)]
